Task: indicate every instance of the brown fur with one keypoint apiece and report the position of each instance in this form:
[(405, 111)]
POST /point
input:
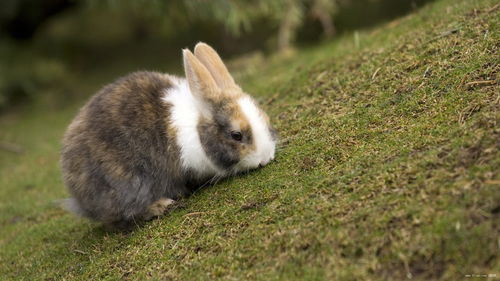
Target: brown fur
[(120, 157), (211, 60), (240, 121), (224, 97), (201, 82), (119, 154)]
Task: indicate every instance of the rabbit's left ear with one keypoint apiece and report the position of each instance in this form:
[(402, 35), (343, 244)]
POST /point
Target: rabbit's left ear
[(212, 61), (201, 82)]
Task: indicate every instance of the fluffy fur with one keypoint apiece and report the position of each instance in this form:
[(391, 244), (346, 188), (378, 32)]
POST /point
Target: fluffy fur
[(185, 114), (264, 142), (149, 138)]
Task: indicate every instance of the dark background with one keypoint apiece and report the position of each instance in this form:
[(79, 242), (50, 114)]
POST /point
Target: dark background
[(47, 48)]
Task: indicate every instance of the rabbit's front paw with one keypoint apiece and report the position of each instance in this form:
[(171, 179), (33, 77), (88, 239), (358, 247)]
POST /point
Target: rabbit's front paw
[(158, 208)]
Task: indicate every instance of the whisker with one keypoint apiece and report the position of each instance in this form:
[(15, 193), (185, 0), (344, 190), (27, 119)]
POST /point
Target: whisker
[(215, 180), (218, 179), (208, 182)]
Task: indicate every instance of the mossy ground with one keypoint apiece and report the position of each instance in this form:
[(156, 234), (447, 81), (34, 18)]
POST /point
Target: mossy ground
[(388, 169)]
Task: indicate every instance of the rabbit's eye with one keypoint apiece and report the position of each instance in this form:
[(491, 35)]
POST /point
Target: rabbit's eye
[(236, 135)]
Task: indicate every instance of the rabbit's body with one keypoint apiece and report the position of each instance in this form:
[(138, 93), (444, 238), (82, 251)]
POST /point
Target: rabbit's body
[(118, 147), (150, 138)]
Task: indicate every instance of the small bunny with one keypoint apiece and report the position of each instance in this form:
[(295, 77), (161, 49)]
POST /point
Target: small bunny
[(149, 138)]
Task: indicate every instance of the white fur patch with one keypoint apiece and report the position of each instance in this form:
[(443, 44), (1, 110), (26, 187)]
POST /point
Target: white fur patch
[(264, 144), (185, 114)]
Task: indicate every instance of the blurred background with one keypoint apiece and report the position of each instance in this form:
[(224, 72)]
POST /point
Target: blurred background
[(58, 51)]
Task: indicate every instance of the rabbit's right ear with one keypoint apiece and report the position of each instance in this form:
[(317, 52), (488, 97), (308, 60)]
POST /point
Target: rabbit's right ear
[(212, 61), (201, 83)]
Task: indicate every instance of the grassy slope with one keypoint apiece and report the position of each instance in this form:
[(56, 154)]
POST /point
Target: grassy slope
[(388, 169)]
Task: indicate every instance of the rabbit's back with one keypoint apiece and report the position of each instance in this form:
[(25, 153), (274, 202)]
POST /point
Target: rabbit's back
[(119, 153)]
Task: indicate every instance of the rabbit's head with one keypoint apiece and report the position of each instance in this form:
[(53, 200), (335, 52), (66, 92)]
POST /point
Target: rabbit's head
[(235, 133)]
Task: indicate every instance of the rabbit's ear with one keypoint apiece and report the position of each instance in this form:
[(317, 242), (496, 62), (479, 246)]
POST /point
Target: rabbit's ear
[(201, 83), (212, 61)]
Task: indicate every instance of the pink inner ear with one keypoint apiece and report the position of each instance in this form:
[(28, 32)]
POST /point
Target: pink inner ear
[(212, 61), (201, 83)]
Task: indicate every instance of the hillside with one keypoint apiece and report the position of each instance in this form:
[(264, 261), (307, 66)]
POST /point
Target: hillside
[(388, 168)]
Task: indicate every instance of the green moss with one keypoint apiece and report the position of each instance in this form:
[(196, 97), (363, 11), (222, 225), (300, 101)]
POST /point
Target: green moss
[(388, 169)]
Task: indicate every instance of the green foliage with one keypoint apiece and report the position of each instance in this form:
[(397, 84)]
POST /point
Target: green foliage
[(95, 33), (24, 75), (238, 16)]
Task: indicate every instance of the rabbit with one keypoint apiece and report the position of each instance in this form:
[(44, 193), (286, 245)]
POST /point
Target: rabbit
[(148, 139)]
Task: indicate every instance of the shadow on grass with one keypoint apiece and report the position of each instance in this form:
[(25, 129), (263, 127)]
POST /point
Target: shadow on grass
[(100, 230)]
